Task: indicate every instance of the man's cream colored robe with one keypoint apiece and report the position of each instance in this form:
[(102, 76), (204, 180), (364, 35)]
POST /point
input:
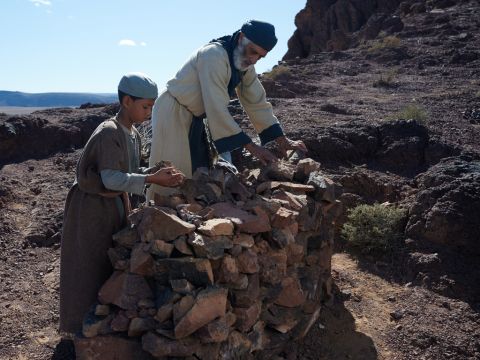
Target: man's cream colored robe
[(201, 87)]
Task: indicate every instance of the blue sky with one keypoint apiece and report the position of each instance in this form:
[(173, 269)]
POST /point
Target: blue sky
[(87, 45)]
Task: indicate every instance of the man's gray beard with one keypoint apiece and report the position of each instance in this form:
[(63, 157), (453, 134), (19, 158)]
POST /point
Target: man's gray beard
[(238, 55)]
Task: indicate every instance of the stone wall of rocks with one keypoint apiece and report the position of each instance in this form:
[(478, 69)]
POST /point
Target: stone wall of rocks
[(231, 266)]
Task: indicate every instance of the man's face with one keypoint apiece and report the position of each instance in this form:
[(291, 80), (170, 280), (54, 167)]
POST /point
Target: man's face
[(247, 53)]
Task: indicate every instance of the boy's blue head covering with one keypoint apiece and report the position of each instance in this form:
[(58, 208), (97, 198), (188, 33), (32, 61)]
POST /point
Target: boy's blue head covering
[(261, 33), (138, 85)]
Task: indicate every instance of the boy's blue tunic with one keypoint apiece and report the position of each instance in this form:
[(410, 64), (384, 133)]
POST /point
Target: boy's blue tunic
[(91, 217)]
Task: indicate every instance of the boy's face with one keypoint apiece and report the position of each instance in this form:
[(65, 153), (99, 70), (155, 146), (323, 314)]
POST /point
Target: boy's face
[(139, 110)]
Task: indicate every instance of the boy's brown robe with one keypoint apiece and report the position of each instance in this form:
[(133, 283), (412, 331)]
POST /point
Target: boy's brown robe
[(90, 220)]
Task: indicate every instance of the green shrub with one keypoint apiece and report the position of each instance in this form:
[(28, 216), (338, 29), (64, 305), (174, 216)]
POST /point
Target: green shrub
[(279, 72), (386, 80), (412, 111), (388, 42), (374, 229)]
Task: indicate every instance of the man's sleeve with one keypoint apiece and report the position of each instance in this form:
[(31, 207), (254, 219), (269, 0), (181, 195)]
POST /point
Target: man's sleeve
[(214, 75), (253, 99)]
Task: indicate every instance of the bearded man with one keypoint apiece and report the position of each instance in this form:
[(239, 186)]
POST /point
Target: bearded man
[(192, 113)]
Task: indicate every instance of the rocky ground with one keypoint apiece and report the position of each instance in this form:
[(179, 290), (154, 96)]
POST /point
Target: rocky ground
[(348, 106)]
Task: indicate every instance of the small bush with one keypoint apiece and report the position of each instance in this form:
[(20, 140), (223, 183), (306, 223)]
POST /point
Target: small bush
[(414, 112), (279, 72), (374, 229), (386, 80), (388, 42)]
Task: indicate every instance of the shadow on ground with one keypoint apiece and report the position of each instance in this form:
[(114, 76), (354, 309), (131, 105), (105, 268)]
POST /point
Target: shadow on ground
[(334, 336)]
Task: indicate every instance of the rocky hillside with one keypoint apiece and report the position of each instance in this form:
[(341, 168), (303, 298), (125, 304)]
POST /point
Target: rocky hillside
[(386, 95)]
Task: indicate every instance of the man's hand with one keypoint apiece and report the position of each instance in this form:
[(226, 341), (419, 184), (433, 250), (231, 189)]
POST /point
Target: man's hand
[(262, 154), (168, 176), (285, 144)]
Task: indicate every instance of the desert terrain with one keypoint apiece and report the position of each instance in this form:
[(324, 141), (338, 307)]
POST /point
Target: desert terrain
[(388, 103)]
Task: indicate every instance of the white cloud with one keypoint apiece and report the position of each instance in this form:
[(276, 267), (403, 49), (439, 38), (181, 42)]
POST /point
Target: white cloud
[(127, 42), (41, 2), (143, 43)]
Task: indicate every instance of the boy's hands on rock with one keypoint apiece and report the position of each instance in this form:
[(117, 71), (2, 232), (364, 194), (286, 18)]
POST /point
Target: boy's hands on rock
[(167, 176)]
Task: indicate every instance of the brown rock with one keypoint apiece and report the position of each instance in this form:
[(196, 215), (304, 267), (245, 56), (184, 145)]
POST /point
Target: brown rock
[(288, 186), (240, 284), (274, 267), (243, 221), (281, 319), (324, 187), (295, 253), (228, 270), (304, 168), (102, 310), (182, 246), (119, 257), (209, 304), (217, 227), (157, 224), (120, 322), (141, 262), (278, 170), (197, 271), (210, 247), (164, 313), (182, 286), (247, 317), (247, 262), (284, 217), (126, 237), (124, 290), (282, 237), (237, 346), (292, 294), (109, 347), (244, 240), (96, 325), (244, 298), (180, 308), (214, 332), (295, 202), (257, 337), (159, 346), (161, 248), (139, 326)]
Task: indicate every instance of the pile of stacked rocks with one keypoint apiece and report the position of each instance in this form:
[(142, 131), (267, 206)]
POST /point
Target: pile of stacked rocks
[(231, 266)]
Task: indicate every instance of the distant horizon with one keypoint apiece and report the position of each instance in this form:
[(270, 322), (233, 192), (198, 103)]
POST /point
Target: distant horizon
[(58, 92), (60, 46)]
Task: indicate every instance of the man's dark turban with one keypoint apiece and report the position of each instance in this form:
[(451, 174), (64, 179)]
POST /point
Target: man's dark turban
[(261, 33)]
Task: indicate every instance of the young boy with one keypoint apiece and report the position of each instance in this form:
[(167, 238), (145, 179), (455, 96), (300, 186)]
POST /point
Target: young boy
[(97, 204)]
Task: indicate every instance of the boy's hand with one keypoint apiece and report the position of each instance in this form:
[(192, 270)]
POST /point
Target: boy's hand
[(168, 176)]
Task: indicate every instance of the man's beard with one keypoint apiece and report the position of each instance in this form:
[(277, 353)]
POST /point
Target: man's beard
[(239, 59)]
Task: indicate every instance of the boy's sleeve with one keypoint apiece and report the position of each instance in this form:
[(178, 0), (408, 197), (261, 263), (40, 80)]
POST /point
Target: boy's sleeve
[(254, 100), (119, 181)]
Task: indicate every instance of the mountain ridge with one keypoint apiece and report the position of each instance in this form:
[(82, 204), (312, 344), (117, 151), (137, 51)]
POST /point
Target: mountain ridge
[(53, 99)]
